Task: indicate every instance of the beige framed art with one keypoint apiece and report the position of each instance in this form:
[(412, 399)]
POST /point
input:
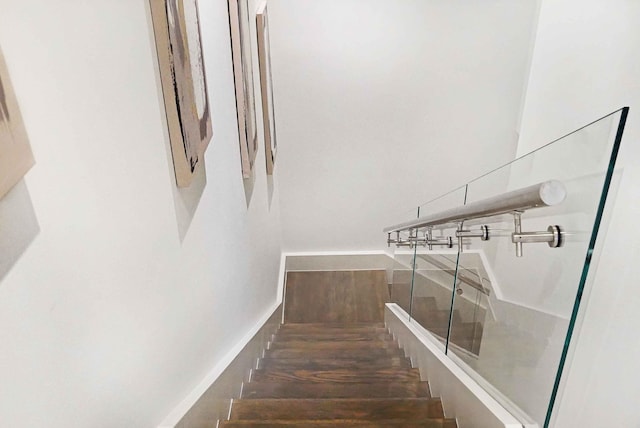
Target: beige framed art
[(266, 88), (16, 157), (243, 78), (176, 26)]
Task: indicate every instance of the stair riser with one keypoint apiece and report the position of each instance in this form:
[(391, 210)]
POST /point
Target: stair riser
[(340, 376), (300, 344), (329, 390), (342, 327), (425, 423)]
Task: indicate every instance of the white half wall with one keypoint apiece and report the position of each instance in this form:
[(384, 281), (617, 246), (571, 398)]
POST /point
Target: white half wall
[(462, 398), (382, 105), (585, 65), (123, 292)]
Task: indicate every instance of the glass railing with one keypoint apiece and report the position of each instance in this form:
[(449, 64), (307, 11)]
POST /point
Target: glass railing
[(506, 315), (401, 287)]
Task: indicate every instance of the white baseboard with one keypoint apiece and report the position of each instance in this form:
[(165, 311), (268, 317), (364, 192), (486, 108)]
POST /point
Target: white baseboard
[(179, 412), (337, 253), (282, 278)]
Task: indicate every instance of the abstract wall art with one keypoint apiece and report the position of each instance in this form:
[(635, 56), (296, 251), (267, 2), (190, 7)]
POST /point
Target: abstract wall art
[(243, 78), (16, 157), (266, 87), (176, 27)]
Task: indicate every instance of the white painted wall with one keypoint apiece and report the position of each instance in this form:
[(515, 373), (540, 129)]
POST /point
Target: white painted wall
[(585, 65), (122, 292), (382, 105)]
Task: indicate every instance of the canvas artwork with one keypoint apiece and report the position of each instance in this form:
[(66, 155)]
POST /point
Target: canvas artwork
[(16, 157), (266, 87), (179, 47), (243, 77)]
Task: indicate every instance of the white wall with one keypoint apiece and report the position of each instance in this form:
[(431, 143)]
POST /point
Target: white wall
[(123, 291), (585, 65), (382, 105)]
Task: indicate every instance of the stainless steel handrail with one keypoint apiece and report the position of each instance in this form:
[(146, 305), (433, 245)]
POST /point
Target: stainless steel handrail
[(545, 194)]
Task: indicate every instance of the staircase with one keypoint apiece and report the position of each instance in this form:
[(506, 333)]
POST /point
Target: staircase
[(334, 364)]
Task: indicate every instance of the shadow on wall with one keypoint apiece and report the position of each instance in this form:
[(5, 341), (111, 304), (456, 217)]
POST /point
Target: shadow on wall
[(249, 184), (18, 226), (270, 188), (187, 199)]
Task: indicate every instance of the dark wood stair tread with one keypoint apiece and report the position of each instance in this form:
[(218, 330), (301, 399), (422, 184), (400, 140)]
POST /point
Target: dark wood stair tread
[(334, 390), (342, 408), (343, 362), (337, 336), (303, 344), (338, 375), (422, 423), (286, 353), (327, 327)]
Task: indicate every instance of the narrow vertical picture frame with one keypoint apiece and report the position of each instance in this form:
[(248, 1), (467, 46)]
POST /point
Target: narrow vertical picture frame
[(16, 157), (239, 25), (176, 25), (266, 88)]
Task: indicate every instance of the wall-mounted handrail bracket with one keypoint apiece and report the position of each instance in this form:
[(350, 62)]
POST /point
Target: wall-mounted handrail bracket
[(516, 202), (483, 233), (553, 236)]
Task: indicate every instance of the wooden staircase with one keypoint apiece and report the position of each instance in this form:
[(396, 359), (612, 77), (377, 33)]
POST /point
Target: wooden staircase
[(334, 364)]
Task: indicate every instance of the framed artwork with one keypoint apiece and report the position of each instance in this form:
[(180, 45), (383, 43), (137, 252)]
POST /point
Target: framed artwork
[(16, 157), (266, 88), (243, 79), (176, 28)]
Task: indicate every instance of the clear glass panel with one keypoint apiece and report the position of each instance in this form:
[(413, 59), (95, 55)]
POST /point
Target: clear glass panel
[(452, 199), (434, 276), (402, 285), (402, 277), (433, 290), (400, 290), (470, 306), (511, 332)]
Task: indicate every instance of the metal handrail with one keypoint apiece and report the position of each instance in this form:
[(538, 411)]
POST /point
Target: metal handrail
[(545, 194)]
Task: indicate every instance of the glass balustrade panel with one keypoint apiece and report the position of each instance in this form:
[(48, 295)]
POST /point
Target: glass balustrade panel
[(404, 282), (435, 270), (512, 330), (433, 286), (470, 306), (403, 261)]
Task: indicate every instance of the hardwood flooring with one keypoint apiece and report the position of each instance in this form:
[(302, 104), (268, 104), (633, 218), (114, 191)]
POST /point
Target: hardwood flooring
[(336, 297)]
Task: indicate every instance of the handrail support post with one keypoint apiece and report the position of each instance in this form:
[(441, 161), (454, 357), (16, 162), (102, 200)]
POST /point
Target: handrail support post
[(517, 222)]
